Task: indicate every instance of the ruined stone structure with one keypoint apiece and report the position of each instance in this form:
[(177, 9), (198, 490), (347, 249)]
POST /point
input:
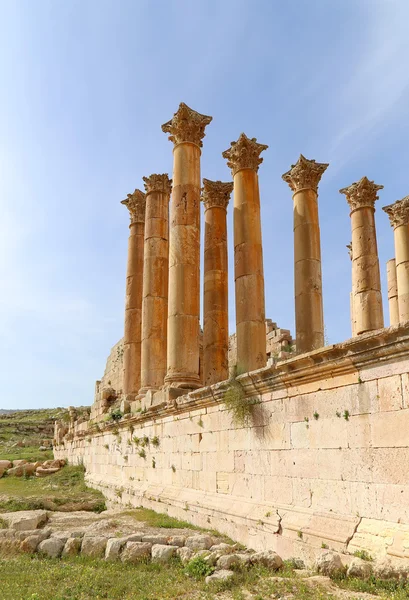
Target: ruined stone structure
[(320, 458)]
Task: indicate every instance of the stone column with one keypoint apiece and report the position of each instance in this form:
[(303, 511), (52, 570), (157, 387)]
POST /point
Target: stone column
[(133, 304), (243, 157), (392, 292), (399, 217), (303, 179), (215, 197), (366, 281), (351, 298), (155, 282), (186, 129)]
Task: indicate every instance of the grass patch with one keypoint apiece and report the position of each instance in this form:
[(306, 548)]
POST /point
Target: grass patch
[(391, 589), (63, 489), (154, 519)]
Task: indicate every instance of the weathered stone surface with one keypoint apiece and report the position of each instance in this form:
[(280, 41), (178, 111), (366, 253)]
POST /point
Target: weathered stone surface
[(385, 569), (268, 559), (221, 575), (20, 470), (136, 552), (94, 546), (72, 546), (329, 563), (5, 464), (228, 561), (163, 553), (52, 547), (155, 539), (43, 472), (18, 463), (359, 568), (2, 471), (30, 543), (113, 548), (222, 549), (177, 540), (185, 554), (199, 542), (27, 519)]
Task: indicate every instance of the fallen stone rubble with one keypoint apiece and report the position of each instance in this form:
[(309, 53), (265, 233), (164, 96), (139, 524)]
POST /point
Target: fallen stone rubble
[(21, 468), (28, 531)]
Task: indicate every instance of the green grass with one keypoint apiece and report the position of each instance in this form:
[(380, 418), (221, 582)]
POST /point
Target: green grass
[(154, 519), (67, 487), (391, 589), (34, 578)]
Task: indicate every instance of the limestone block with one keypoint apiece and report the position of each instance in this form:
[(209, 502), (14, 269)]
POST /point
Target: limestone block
[(185, 554), (52, 547), (27, 519), (278, 490), (390, 429), (359, 568), (177, 540), (405, 390), (5, 464), (199, 542), (390, 393), (155, 539), (163, 553), (94, 546), (113, 548), (329, 563), (268, 559), (136, 551), (221, 575), (72, 546), (30, 543)]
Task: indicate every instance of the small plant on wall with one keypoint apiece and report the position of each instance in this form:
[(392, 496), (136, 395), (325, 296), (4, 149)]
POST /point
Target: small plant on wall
[(238, 404)]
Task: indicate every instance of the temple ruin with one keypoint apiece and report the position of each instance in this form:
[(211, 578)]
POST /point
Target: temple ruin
[(323, 451)]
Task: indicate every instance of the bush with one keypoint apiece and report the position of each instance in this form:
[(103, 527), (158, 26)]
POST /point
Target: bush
[(236, 402), (198, 568), (116, 414)]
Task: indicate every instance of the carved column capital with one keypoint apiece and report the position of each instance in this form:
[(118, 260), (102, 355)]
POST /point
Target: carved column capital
[(305, 174), (187, 125), (136, 203), (398, 212), (361, 194), (244, 154), (158, 183), (216, 193)]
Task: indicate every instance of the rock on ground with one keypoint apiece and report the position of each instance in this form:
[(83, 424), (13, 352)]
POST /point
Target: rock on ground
[(26, 519), (228, 561), (268, 559), (72, 546), (219, 576), (94, 546), (30, 543), (113, 548), (185, 554), (51, 547), (163, 553), (136, 551), (5, 464), (359, 568), (177, 540), (199, 542), (329, 563), (155, 539)]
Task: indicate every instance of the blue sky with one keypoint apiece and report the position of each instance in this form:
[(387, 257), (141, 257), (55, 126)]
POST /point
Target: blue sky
[(85, 87)]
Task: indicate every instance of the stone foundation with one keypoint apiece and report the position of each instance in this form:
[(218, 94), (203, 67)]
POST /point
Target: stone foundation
[(323, 462)]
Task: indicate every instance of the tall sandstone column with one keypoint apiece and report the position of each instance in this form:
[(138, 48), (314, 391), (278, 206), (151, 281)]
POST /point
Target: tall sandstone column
[(243, 157), (186, 129), (366, 281), (155, 282), (303, 179), (399, 217), (215, 197), (392, 292), (133, 304)]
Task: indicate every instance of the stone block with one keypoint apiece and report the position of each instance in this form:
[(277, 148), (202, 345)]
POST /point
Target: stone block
[(52, 547), (278, 490), (199, 542), (72, 546), (390, 429), (135, 552), (94, 546), (162, 553), (390, 393)]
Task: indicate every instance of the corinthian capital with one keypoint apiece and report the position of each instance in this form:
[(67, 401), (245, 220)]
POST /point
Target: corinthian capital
[(398, 212), (305, 174), (216, 193), (158, 183), (361, 194), (244, 154), (187, 125), (136, 203)]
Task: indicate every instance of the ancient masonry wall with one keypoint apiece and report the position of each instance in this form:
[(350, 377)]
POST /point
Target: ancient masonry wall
[(324, 461)]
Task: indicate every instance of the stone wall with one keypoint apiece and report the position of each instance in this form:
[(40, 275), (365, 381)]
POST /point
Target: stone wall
[(323, 462)]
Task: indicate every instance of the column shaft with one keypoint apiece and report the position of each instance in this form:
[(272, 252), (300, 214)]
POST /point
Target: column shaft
[(248, 273), (365, 271), (215, 302), (184, 269), (155, 283), (392, 292), (401, 236), (133, 310), (309, 318)]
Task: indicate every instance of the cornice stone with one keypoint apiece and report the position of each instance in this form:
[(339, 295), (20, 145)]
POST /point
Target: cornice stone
[(158, 183), (305, 174), (244, 154), (187, 125), (361, 194), (216, 193), (136, 203), (398, 212)]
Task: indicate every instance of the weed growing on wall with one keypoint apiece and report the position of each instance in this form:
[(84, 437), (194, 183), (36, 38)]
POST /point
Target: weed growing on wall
[(240, 407)]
